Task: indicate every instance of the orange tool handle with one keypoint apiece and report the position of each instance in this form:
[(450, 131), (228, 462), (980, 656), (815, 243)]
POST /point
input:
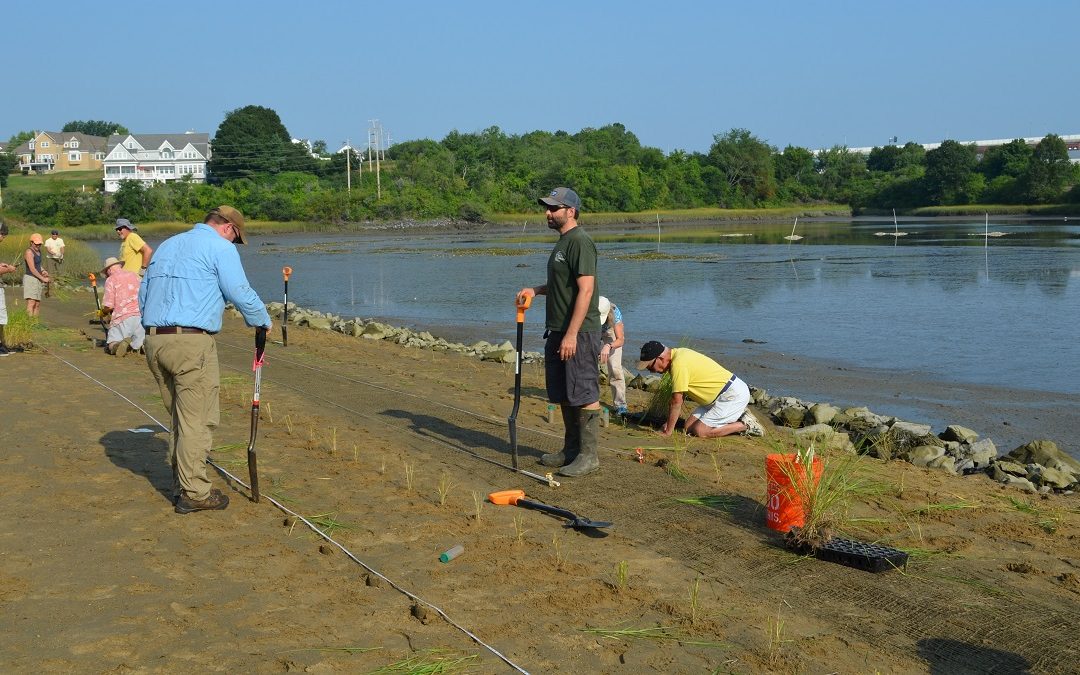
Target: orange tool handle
[(286, 271), (522, 305), (93, 280), (506, 497)]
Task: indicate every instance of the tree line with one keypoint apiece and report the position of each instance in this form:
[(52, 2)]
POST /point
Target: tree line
[(257, 167)]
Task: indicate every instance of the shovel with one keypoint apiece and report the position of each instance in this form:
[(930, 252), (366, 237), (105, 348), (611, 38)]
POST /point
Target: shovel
[(285, 272), (252, 458), (101, 320), (522, 305), (517, 498)]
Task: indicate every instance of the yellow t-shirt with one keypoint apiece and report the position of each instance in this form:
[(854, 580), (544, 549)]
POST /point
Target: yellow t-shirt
[(130, 252), (697, 375)]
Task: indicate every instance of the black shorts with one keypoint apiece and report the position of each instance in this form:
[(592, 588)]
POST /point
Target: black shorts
[(577, 381)]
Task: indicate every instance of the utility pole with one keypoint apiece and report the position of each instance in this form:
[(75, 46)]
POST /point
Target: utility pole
[(348, 164), (375, 132), (370, 143)]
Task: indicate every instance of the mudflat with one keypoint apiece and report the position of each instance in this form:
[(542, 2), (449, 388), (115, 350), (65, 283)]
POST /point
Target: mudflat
[(390, 452)]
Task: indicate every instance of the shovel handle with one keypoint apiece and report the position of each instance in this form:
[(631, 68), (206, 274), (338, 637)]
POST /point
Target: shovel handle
[(522, 304), (285, 272), (93, 280), (506, 497)]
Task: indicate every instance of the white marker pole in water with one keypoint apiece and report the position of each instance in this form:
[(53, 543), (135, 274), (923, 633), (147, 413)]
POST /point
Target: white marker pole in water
[(657, 232)]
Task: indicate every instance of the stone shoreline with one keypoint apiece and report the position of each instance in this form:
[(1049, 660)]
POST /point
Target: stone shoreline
[(1036, 467)]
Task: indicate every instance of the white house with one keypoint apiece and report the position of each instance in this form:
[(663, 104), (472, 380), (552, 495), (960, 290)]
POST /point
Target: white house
[(156, 158)]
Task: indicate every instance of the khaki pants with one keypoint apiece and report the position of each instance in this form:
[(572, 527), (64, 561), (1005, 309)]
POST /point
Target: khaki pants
[(53, 266), (616, 378), (186, 369)]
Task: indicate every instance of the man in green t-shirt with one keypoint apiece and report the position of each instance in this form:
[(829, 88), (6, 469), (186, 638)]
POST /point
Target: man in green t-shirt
[(572, 347), (722, 395)]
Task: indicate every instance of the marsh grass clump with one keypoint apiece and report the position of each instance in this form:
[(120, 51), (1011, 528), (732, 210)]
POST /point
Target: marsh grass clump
[(430, 662), (444, 487), (19, 332), (826, 500)]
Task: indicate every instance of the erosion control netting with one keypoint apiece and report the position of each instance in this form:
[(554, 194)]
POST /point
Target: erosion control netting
[(934, 615)]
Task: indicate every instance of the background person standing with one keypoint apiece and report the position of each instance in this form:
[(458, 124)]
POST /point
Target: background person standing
[(5, 268), (572, 347), (54, 257), (182, 298), (613, 338), (135, 253), (35, 278)]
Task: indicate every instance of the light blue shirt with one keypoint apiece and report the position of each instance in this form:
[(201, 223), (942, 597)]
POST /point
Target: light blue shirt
[(189, 279)]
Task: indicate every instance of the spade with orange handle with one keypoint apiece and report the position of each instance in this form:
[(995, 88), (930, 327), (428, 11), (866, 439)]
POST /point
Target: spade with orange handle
[(285, 272), (522, 304), (517, 498)]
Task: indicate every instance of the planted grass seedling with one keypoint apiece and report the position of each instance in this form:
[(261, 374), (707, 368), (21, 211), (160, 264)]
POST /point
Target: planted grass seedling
[(717, 502), (478, 504), (1049, 521), (519, 527), (288, 424), (444, 487), (622, 576), (775, 632), (269, 413), (408, 476), (694, 596)]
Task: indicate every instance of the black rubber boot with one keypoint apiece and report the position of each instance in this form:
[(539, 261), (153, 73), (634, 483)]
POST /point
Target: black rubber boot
[(571, 439), (586, 461)]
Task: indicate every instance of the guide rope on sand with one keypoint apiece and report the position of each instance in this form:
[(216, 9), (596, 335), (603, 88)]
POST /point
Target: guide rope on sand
[(314, 528)]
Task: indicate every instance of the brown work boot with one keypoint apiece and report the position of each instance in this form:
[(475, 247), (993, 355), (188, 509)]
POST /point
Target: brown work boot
[(215, 502)]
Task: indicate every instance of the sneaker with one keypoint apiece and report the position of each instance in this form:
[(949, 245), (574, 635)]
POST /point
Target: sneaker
[(753, 427), (4, 351), (215, 502)]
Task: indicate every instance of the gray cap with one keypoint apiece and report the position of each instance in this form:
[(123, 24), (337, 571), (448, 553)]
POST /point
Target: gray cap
[(562, 196), (123, 222)]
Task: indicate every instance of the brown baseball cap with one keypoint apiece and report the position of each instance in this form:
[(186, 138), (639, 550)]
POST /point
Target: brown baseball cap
[(233, 216)]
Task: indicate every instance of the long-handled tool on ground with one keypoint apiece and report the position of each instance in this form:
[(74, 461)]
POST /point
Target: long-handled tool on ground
[(253, 465), (101, 318), (522, 305), (285, 272), (517, 498)]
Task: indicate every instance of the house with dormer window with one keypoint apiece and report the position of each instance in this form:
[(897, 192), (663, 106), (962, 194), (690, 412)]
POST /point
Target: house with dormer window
[(156, 158), (61, 151)]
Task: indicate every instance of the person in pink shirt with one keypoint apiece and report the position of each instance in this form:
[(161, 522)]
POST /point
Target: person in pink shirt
[(121, 304)]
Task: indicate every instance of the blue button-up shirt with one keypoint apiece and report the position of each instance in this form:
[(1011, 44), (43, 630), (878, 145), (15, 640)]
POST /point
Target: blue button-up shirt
[(189, 279)]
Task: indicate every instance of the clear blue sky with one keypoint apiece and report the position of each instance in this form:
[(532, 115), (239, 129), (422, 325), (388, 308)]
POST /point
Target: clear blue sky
[(675, 73)]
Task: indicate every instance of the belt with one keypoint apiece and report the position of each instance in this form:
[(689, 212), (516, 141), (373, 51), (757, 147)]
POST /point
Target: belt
[(172, 330), (733, 378)]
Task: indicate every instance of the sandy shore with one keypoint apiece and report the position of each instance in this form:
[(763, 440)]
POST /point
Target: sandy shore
[(394, 449)]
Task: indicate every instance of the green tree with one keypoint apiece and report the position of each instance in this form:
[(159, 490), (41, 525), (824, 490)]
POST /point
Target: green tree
[(319, 148), (95, 128), (19, 138), (8, 162), (130, 201), (1048, 172), (949, 169), (745, 162), (838, 170), (251, 141)]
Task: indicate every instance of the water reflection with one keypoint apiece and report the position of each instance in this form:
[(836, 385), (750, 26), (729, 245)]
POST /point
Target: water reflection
[(932, 301)]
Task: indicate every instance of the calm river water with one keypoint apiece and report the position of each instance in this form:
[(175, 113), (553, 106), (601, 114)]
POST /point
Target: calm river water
[(944, 302)]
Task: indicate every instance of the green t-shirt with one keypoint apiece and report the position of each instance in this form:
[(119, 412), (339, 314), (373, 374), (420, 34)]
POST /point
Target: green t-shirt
[(574, 256)]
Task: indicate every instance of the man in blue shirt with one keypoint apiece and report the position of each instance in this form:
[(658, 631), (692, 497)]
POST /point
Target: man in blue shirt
[(182, 297)]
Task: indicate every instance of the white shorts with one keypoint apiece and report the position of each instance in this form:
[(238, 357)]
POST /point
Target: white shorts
[(130, 327), (728, 406), (3, 307)]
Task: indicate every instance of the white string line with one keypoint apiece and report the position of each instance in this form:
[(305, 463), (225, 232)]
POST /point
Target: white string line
[(310, 525)]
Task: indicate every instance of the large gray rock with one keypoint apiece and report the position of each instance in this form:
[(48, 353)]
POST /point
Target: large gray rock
[(982, 453), (923, 455), (1010, 467), (374, 330), (815, 432), (1042, 475), (500, 355), (945, 463), (822, 413), (1046, 453), (317, 322), (955, 432)]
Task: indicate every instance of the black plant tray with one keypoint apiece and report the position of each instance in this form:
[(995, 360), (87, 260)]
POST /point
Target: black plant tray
[(862, 556)]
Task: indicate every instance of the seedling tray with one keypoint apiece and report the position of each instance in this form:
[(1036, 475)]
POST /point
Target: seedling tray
[(862, 556)]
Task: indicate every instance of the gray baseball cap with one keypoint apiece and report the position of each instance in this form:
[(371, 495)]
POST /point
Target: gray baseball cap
[(561, 196)]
